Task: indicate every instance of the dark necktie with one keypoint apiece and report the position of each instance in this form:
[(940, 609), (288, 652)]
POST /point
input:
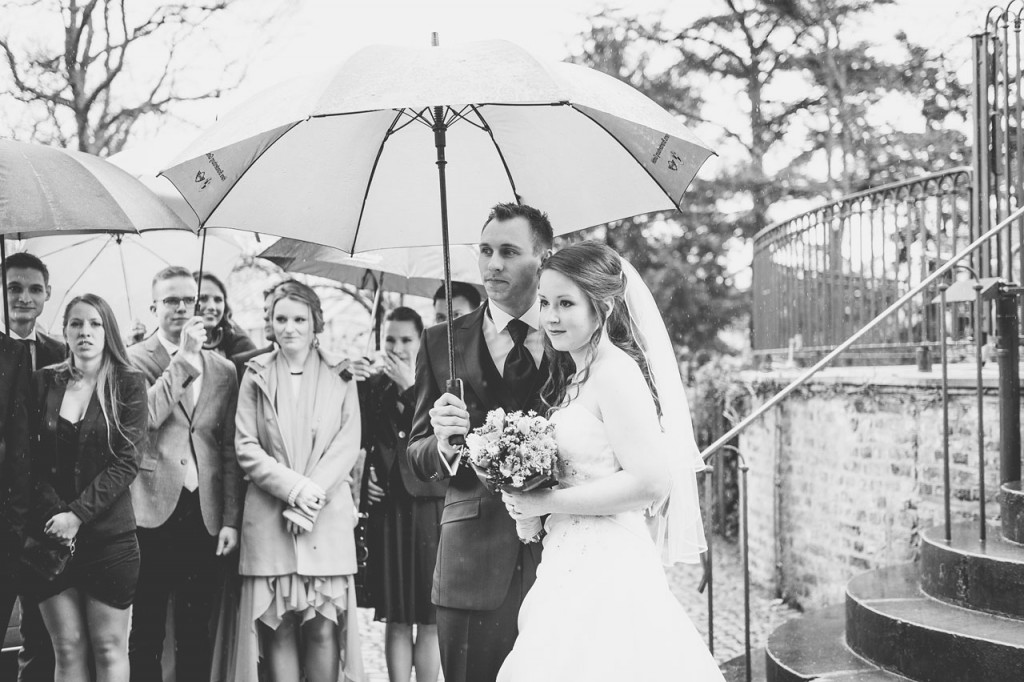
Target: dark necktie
[(29, 345), (520, 371)]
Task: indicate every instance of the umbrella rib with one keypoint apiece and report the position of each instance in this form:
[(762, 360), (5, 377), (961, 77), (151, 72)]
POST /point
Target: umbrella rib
[(202, 223), (664, 191), (84, 270), (497, 148), (369, 180)]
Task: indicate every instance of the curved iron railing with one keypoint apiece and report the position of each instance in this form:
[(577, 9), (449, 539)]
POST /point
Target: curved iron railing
[(934, 280), (818, 277)]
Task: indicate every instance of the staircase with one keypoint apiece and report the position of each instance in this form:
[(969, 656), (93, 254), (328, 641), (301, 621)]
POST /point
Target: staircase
[(955, 615)]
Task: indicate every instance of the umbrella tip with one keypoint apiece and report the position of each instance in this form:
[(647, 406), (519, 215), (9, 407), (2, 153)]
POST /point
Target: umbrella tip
[(435, 41)]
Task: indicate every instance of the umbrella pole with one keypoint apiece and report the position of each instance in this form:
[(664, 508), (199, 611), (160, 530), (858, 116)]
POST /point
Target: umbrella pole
[(454, 385), (440, 133), (199, 278), (3, 273)]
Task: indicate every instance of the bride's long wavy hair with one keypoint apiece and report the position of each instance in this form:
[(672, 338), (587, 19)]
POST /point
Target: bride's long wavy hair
[(596, 269)]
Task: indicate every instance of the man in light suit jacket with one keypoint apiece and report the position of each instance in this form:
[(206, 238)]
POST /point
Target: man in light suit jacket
[(188, 495), (482, 571)]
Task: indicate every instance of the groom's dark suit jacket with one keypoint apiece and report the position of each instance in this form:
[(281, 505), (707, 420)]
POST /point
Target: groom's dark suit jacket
[(479, 547)]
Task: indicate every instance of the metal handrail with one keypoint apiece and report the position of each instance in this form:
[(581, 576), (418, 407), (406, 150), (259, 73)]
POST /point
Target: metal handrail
[(850, 198), (838, 350)]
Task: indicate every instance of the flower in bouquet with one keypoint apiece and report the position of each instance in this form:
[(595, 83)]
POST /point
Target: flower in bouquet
[(515, 451)]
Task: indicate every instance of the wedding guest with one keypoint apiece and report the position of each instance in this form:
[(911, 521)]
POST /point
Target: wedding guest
[(15, 370), (88, 433), (189, 490), (298, 605), (465, 299), (404, 513), (240, 359), (28, 290), (222, 334)]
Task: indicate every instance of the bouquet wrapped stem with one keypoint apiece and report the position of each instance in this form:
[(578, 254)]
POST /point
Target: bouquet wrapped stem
[(514, 451)]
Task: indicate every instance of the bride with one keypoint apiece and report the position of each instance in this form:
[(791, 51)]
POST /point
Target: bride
[(601, 608)]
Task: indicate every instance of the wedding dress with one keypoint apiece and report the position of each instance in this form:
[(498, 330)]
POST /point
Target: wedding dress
[(601, 608)]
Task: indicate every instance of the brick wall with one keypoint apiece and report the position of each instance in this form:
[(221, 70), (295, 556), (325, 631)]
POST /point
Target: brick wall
[(845, 475)]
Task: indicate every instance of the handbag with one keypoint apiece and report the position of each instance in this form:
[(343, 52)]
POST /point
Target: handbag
[(362, 582), (363, 594), (47, 558)]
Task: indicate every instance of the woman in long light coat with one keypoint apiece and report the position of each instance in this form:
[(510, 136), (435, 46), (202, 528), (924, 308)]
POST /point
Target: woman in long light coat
[(297, 439)]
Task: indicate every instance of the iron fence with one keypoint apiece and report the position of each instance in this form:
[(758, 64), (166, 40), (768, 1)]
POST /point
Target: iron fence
[(819, 277)]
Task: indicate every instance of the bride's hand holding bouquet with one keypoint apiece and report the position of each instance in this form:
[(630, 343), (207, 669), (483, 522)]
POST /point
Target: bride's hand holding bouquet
[(515, 453)]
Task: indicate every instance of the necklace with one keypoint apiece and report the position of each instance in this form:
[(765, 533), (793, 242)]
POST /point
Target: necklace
[(295, 374)]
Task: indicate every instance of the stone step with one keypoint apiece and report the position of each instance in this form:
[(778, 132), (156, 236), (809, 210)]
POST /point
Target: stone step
[(892, 623), (1011, 504), (813, 648), (735, 669), (982, 576)]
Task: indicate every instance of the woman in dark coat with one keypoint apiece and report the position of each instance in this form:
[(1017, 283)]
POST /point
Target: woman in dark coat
[(404, 512), (88, 428)]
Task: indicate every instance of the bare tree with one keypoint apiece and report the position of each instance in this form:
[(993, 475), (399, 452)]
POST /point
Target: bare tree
[(111, 65)]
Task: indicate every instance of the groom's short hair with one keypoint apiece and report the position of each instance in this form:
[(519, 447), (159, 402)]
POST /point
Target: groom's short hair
[(540, 226)]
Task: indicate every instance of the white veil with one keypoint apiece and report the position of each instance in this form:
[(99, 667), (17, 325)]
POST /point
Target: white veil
[(677, 526)]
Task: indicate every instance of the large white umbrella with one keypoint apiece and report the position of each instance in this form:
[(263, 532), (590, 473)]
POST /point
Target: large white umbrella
[(418, 271), (397, 142), (47, 190)]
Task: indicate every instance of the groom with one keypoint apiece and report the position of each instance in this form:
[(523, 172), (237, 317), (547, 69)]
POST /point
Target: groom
[(482, 571)]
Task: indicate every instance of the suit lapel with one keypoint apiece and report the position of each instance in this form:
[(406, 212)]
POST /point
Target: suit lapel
[(204, 390), (161, 360)]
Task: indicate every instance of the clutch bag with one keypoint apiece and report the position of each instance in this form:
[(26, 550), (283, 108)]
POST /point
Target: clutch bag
[(47, 558)]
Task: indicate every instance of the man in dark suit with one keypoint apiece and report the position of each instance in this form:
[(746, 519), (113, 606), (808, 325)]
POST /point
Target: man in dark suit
[(482, 571), (188, 494), (14, 466), (28, 290)]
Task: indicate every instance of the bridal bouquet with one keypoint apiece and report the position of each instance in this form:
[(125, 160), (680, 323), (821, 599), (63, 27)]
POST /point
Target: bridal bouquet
[(515, 451)]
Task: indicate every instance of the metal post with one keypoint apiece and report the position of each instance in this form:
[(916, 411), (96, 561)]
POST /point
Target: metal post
[(981, 161), (978, 311), (945, 411), (745, 555), (1009, 385), (709, 561)]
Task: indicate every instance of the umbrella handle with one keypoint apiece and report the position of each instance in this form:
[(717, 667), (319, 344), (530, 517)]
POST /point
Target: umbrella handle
[(454, 386)]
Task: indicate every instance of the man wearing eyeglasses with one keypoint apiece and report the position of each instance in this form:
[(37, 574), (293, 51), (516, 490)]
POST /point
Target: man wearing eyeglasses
[(188, 494)]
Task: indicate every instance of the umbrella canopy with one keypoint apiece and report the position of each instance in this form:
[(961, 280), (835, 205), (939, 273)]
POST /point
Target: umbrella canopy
[(347, 158), (415, 271), (46, 190), (120, 267)]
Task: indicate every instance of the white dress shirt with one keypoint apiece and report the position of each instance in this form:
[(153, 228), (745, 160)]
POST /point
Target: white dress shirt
[(499, 344), (31, 337), (192, 471)]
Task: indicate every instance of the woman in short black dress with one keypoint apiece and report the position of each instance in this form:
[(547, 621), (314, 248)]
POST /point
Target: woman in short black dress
[(405, 513), (88, 428)]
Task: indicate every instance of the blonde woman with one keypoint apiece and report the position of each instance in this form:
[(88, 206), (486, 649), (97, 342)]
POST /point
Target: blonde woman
[(297, 439), (88, 432)]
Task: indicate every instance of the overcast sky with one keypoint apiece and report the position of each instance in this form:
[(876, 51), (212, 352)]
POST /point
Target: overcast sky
[(319, 33)]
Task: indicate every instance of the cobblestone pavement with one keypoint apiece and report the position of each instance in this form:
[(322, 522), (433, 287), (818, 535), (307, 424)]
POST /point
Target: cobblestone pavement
[(766, 612)]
